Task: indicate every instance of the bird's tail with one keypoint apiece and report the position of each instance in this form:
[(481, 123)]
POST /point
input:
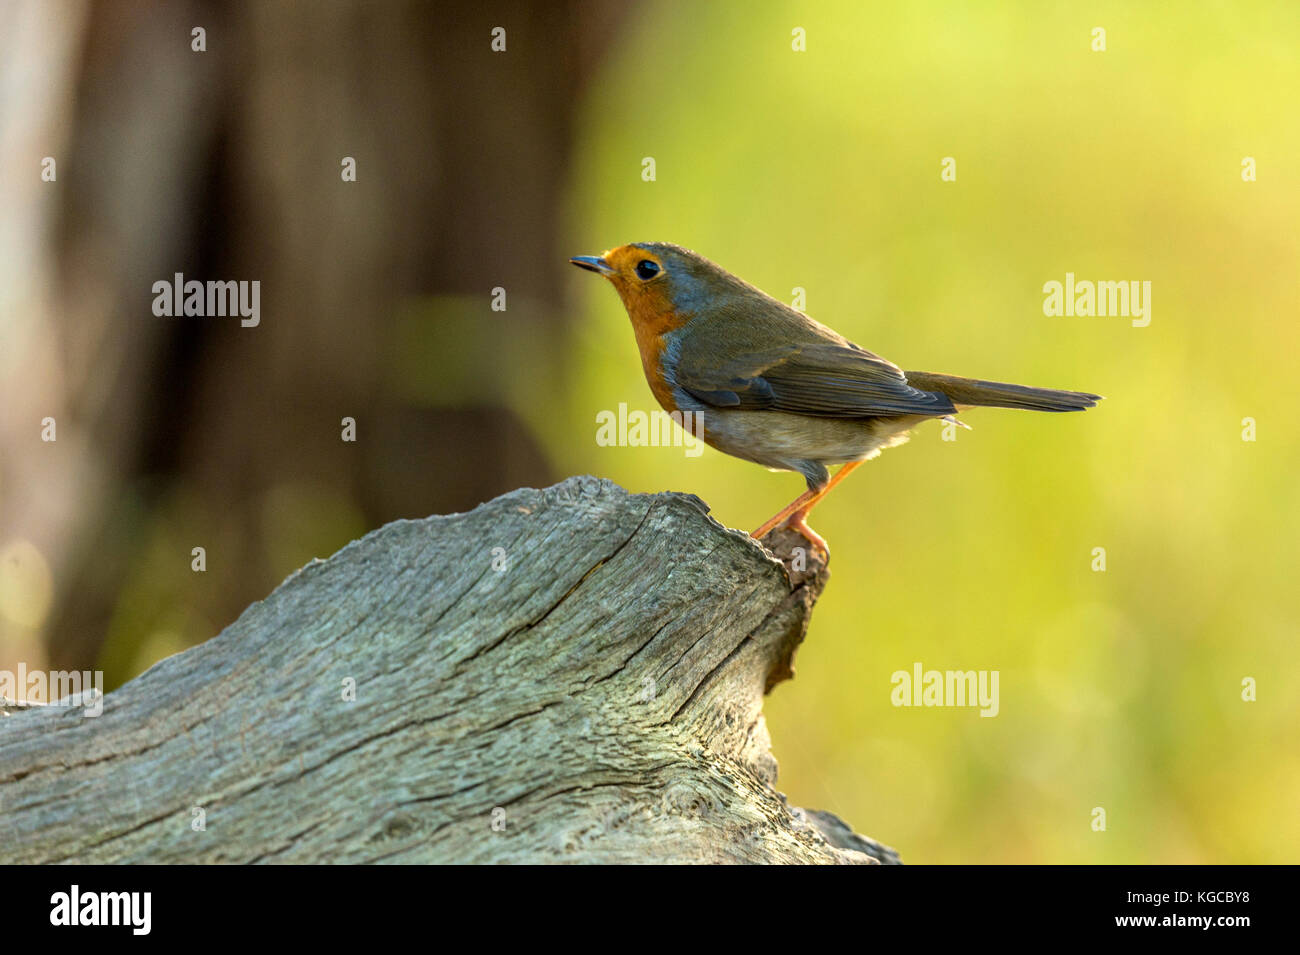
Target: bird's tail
[(996, 394)]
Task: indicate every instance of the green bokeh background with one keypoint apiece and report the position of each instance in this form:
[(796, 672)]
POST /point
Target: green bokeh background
[(821, 169), (1119, 689)]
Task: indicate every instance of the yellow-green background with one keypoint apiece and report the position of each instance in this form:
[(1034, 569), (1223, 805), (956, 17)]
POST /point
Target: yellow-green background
[(821, 169)]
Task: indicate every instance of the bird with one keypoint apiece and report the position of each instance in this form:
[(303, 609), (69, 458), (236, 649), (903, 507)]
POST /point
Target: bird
[(764, 382)]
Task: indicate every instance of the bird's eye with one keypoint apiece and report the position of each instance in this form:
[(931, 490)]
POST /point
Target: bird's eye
[(646, 270)]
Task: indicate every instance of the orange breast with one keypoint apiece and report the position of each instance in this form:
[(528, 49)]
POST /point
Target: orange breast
[(651, 323)]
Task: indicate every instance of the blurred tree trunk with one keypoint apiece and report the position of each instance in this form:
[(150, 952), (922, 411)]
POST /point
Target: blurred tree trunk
[(226, 164)]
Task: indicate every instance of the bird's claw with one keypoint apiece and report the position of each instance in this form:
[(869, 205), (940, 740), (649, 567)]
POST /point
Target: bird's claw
[(799, 524)]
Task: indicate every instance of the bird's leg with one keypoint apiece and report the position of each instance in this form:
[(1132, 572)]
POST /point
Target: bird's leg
[(795, 514), (798, 522), (780, 516)]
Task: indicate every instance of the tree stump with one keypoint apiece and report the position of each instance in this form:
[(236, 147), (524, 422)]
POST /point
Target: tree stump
[(573, 674)]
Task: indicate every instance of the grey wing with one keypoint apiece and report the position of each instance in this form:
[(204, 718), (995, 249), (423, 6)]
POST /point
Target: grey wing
[(822, 379)]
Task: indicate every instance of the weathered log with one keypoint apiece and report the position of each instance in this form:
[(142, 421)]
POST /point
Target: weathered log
[(567, 675)]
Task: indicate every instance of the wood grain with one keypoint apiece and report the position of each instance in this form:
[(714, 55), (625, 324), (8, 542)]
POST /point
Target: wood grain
[(573, 674)]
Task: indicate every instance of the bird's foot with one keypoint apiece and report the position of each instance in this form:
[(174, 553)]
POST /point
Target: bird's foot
[(799, 523)]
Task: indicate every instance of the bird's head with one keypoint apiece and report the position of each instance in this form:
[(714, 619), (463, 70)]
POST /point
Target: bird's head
[(656, 280)]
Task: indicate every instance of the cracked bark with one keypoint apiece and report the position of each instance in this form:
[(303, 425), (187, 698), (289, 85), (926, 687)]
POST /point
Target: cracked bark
[(594, 696)]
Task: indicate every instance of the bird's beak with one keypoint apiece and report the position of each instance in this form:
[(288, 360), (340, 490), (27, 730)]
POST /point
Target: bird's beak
[(593, 263)]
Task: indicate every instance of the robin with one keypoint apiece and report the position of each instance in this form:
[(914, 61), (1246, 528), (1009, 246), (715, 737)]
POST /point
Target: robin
[(768, 384)]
